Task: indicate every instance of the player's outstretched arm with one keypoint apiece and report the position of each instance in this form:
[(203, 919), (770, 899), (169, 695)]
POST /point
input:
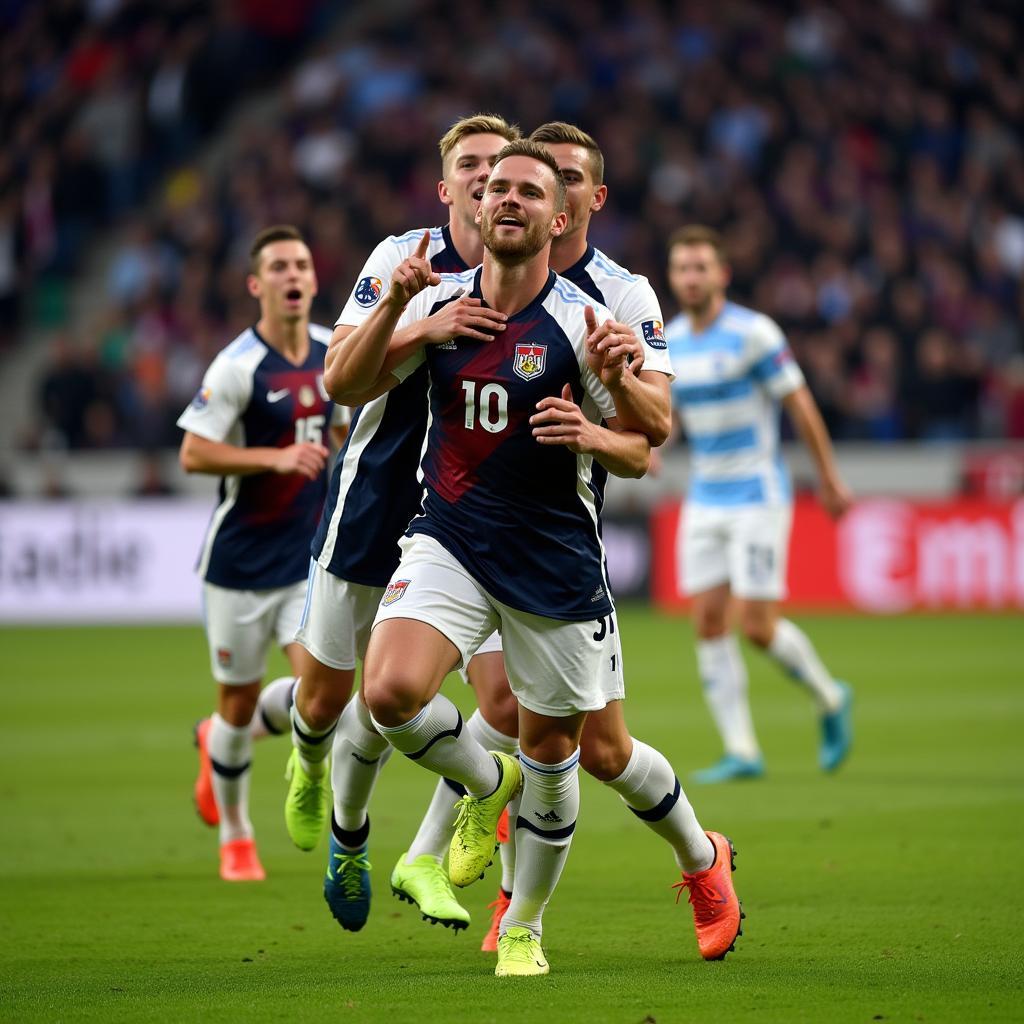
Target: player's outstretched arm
[(625, 453), (835, 496), (642, 401), (355, 357), (201, 455)]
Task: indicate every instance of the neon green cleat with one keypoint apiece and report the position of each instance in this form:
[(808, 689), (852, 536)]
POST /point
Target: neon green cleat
[(307, 804), (424, 883), (475, 840), (520, 955)]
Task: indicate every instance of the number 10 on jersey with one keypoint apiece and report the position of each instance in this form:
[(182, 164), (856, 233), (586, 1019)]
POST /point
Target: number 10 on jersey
[(492, 409)]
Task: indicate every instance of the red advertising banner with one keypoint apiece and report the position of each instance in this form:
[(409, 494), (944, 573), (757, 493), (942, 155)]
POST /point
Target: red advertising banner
[(885, 556)]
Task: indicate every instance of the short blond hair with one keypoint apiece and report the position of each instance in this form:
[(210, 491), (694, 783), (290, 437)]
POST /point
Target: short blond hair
[(563, 133), (477, 124)]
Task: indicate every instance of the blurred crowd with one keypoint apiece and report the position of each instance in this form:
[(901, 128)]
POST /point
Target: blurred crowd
[(864, 161)]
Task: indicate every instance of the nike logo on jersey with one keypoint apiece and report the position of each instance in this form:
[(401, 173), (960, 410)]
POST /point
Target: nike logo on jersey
[(276, 396)]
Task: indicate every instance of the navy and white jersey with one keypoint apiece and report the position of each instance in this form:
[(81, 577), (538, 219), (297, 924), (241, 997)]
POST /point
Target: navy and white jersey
[(632, 301), (730, 378), (251, 396), (374, 490), (520, 516)]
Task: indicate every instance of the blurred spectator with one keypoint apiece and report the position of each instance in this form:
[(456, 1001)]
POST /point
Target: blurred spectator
[(864, 162)]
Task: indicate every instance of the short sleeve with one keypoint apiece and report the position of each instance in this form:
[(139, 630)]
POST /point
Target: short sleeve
[(373, 281), (220, 401), (639, 307), (599, 395), (342, 415), (771, 362)]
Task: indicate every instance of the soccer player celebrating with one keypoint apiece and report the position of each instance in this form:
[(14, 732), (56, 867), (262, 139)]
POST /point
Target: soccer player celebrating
[(374, 493), (257, 422), (640, 774), (509, 533), (733, 368)]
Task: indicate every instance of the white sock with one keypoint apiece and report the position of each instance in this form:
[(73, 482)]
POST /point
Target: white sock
[(651, 790), (508, 850), (793, 650), (724, 677), (544, 828), (273, 712), (313, 745), (230, 750), (435, 832), (437, 739), (360, 752)]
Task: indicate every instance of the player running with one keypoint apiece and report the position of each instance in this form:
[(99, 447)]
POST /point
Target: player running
[(733, 369), (374, 493), (257, 422), (509, 535), (640, 774)]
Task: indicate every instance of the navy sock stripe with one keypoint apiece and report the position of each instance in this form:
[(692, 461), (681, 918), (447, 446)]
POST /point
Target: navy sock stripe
[(269, 725), (453, 732), (554, 833), (313, 741), (457, 787), (354, 839), (229, 771), (662, 810)]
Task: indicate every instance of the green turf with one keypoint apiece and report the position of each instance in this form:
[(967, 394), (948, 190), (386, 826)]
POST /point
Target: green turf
[(891, 891)]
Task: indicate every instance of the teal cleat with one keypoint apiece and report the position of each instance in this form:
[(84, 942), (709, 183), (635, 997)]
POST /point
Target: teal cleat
[(347, 886), (837, 732), (730, 768)]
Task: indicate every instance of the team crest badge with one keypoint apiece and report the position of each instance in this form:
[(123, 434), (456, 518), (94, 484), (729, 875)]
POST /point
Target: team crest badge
[(202, 399), (224, 657), (307, 396), (395, 592), (529, 361), (368, 291)]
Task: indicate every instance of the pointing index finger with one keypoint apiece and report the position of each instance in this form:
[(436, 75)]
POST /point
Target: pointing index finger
[(423, 245)]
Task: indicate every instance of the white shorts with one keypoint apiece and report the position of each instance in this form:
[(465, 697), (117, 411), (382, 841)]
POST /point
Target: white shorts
[(337, 619), (492, 645), (555, 668), (746, 548), (240, 625)]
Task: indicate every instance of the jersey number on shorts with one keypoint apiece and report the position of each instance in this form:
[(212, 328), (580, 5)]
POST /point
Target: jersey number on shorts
[(309, 428), (760, 562), (492, 409), (606, 627)]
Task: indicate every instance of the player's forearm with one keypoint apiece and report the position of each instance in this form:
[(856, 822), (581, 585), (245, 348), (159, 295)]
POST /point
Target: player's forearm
[(355, 356), (807, 421), (200, 455), (644, 406), (625, 453), (404, 343)]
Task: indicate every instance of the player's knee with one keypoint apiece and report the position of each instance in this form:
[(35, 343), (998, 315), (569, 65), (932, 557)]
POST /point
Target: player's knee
[(237, 706), (322, 709), (758, 630), (393, 699), (501, 712), (709, 625), (603, 759)]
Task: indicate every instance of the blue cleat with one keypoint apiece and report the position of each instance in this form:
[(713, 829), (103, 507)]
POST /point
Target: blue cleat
[(837, 732), (347, 886), (729, 768)]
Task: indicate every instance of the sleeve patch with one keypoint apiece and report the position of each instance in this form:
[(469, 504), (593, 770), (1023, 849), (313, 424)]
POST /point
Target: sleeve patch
[(202, 399), (653, 334), (368, 291)]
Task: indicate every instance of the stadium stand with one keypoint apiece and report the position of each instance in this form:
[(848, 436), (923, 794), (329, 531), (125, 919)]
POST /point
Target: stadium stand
[(864, 161)]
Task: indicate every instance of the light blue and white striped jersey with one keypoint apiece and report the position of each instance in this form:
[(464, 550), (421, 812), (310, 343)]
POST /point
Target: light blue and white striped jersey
[(729, 380)]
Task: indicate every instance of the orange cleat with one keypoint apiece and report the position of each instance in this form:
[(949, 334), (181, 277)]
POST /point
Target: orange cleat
[(239, 862), (502, 832), (497, 908), (716, 910), (202, 792)]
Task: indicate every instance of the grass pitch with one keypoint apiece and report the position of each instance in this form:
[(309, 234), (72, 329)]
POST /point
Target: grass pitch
[(891, 891)]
